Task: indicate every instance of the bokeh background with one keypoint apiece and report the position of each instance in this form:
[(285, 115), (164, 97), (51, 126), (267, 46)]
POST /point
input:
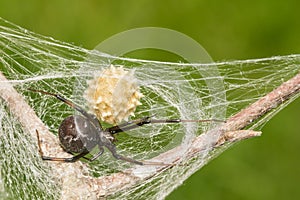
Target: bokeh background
[(262, 168)]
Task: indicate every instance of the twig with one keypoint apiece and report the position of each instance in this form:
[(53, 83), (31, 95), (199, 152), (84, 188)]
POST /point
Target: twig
[(75, 173)]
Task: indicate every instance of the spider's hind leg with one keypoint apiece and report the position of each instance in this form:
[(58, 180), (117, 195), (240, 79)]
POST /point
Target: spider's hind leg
[(66, 101), (71, 159)]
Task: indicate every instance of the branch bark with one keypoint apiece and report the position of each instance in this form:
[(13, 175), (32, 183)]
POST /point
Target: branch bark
[(76, 174)]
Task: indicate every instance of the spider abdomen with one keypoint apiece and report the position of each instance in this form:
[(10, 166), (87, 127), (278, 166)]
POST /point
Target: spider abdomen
[(77, 134)]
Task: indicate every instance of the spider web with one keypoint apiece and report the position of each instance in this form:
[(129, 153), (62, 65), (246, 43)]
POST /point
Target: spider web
[(172, 91)]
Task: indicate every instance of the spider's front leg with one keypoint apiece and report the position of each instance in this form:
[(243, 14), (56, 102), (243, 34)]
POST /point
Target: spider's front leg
[(148, 120), (129, 125), (111, 147)]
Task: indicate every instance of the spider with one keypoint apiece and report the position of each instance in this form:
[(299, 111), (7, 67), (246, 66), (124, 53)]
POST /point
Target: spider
[(78, 134)]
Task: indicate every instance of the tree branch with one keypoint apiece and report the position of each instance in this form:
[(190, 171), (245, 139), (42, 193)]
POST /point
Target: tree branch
[(76, 173)]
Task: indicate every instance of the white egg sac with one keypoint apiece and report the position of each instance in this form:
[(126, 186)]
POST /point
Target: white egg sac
[(113, 94)]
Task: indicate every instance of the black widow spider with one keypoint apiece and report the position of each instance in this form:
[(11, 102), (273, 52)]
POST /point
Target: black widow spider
[(78, 134)]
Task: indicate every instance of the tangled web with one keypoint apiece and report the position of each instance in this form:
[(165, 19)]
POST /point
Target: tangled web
[(171, 91)]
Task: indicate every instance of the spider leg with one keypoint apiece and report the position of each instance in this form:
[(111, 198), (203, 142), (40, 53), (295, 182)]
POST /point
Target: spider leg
[(101, 150), (147, 120), (112, 149), (71, 159), (128, 125), (134, 121), (66, 101)]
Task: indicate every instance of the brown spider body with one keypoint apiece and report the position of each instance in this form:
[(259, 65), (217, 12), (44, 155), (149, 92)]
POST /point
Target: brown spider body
[(77, 134)]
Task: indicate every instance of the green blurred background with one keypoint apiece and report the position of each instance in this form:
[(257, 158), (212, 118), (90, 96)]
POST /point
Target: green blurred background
[(262, 168)]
